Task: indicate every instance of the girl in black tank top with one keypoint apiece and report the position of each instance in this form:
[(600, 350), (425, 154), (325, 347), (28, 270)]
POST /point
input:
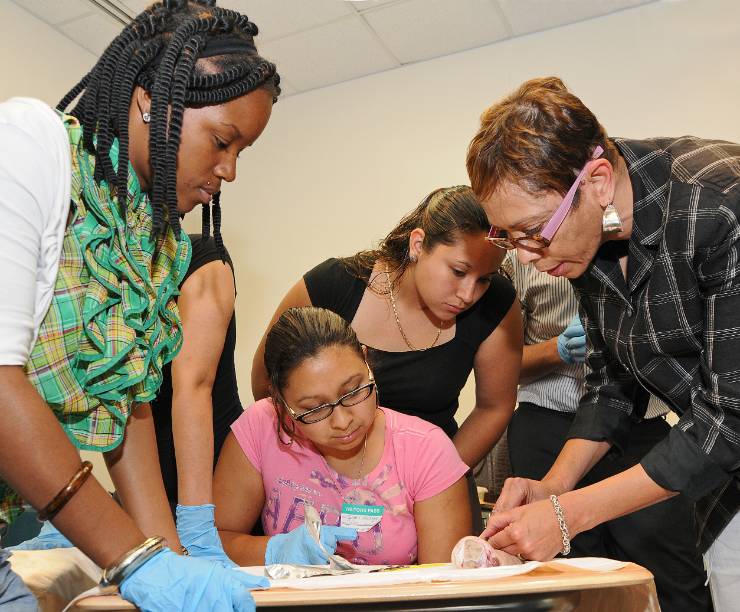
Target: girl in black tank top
[(431, 307)]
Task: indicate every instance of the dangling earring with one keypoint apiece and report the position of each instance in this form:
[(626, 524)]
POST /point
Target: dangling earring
[(146, 117), (611, 222)]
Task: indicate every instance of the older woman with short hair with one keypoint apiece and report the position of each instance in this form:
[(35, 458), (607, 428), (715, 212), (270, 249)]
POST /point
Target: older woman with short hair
[(647, 231)]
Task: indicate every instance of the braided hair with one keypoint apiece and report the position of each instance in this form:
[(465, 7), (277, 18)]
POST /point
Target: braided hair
[(159, 51)]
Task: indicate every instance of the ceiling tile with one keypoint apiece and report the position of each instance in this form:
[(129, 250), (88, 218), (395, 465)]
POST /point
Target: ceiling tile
[(135, 6), (54, 12), (328, 54), (94, 32), (286, 88), (322, 42), (368, 5), (278, 18), (422, 29), (533, 15)]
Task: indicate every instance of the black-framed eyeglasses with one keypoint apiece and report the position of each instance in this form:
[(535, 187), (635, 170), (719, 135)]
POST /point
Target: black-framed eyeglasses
[(354, 397)]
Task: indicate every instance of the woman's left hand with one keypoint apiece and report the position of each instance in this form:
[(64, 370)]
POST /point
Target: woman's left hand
[(196, 528), (530, 532)]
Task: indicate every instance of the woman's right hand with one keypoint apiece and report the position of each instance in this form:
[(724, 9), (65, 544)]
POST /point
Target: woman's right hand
[(171, 582), (298, 546), (519, 492)]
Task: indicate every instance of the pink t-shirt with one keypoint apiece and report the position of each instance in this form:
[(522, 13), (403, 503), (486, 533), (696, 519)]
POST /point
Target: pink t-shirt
[(418, 462)]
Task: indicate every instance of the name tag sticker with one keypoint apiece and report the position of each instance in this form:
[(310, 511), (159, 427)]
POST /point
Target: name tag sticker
[(361, 517)]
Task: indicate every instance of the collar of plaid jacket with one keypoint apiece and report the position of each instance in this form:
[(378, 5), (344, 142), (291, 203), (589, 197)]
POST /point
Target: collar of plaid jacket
[(649, 169)]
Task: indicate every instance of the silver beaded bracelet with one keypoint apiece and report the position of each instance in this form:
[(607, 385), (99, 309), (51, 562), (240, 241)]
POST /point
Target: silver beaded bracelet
[(561, 523)]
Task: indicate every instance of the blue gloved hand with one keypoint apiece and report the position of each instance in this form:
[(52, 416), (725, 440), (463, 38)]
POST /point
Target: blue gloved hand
[(196, 528), (49, 537), (299, 547), (171, 582), (572, 342)]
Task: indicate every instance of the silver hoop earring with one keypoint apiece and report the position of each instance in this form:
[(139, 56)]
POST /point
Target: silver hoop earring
[(146, 117), (611, 222)]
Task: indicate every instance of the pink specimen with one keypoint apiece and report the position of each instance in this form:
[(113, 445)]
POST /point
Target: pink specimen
[(471, 552)]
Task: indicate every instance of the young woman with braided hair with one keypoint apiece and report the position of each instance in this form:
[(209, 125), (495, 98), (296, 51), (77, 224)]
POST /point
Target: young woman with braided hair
[(92, 258)]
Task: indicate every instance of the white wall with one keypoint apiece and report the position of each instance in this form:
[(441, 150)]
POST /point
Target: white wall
[(38, 61), (337, 167)]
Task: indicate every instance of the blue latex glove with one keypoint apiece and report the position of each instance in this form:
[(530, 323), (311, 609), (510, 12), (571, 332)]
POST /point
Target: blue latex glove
[(299, 547), (572, 342), (171, 582), (196, 528), (49, 537)]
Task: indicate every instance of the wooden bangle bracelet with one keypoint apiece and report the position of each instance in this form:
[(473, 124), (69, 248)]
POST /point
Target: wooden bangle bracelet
[(55, 505)]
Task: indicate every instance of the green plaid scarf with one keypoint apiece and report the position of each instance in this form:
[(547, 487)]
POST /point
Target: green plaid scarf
[(113, 321)]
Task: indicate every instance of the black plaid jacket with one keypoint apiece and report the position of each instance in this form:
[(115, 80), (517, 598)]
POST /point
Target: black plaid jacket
[(673, 329)]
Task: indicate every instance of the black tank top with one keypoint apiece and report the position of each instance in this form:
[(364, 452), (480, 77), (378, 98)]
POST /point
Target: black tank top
[(425, 384), (226, 404)]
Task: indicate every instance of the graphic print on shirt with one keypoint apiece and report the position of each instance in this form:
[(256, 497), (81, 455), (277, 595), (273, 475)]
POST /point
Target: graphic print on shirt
[(354, 492), (271, 511), (294, 477), (394, 492)]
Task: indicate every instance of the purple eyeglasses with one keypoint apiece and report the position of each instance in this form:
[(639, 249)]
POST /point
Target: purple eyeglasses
[(500, 238)]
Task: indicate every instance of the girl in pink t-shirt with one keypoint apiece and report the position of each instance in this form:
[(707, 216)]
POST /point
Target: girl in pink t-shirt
[(322, 440)]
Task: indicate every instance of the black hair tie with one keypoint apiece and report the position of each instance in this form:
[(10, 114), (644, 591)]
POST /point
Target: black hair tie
[(227, 46)]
